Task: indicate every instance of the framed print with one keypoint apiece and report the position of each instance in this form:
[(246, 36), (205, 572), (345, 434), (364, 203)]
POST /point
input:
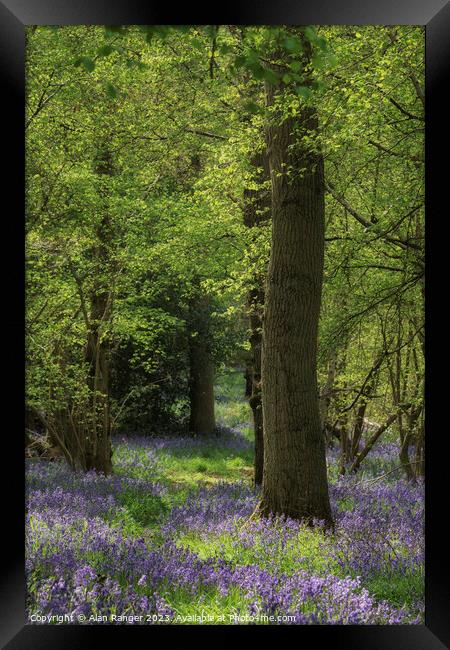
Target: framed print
[(220, 282)]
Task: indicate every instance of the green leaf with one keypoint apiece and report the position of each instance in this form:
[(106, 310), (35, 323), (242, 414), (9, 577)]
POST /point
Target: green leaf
[(197, 44), (111, 90), (225, 49), (252, 56), (318, 62), (105, 50), (257, 70), (210, 30), (310, 34), (322, 43), (295, 66), (270, 76), (252, 107), (332, 60), (303, 91), (162, 31), (292, 44), (240, 61), (88, 63), (317, 84), (115, 29), (184, 29)]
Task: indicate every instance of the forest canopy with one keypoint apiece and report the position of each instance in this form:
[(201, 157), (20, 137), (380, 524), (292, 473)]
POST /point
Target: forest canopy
[(149, 232)]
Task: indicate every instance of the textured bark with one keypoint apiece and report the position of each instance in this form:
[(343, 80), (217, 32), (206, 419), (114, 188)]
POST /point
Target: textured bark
[(256, 213), (201, 380), (295, 474)]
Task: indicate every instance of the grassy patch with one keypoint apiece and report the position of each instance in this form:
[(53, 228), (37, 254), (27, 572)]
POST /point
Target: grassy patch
[(145, 509), (208, 604), (307, 550), (398, 589), (189, 466)]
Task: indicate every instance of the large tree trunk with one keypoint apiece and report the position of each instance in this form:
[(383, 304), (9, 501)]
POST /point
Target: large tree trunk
[(256, 213), (201, 381), (295, 472)]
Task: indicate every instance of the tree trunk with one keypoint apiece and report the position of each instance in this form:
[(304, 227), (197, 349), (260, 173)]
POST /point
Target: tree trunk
[(419, 456), (325, 401), (371, 442), (248, 378), (98, 456), (295, 472), (405, 459), (255, 299), (257, 212), (201, 380)]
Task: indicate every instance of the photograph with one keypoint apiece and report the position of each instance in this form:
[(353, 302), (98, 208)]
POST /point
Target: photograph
[(216, 241), (224, 324)]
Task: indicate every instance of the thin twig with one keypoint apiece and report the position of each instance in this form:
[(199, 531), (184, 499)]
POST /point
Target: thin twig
[(377, 478)]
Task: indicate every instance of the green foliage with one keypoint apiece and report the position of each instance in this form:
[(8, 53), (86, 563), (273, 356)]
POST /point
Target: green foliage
[(181, 110), (141, 510), (399, 589)]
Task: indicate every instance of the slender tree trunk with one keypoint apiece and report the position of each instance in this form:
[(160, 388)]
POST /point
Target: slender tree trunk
[(99, 452), (371, 442), (295, 472), (419, 457), (367, 394), (405, 459), (201, 390), (255, 300), (256, 213), (248, 378), (201, 380), (98, 456), (344, 436), (325, 401)]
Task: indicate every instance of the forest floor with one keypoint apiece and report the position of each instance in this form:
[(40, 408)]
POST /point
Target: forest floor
[(169, 538)]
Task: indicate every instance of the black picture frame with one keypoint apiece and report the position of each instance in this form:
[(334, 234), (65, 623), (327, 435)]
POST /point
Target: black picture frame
[(15, 15)]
